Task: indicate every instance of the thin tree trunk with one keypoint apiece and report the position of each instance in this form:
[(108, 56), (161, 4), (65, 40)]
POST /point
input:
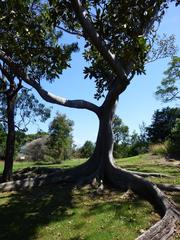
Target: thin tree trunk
[(10, 142)]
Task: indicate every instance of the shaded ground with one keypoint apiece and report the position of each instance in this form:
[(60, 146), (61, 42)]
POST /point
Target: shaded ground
[(65, 213)]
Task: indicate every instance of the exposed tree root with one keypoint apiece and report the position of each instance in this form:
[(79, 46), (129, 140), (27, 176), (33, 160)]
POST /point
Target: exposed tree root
[(169, 187), (142, 174), (166, 227), (163, 229), (121, 179)]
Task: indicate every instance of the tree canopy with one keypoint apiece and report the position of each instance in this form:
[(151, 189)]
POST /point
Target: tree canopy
[(169, 89), (87, 149), (28, 38), (27, 109), (60, 137), (120, 131), (163, 122)]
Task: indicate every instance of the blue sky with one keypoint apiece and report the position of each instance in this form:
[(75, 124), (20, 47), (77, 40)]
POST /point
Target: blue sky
[(136, 105)]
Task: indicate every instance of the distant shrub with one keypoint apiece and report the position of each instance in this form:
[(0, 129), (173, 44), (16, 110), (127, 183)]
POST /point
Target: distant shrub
[(50, 159), (129, 150), (158, 149), (87, 149), (120, 150), (173, 144)]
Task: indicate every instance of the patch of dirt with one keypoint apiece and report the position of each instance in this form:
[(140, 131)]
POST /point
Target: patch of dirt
[(164, 161)]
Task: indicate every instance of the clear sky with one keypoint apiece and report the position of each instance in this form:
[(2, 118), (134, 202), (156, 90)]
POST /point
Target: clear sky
[(136, 105)]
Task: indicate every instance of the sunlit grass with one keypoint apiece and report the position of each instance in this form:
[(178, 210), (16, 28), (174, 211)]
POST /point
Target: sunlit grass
[(149, 163), (65, 164)]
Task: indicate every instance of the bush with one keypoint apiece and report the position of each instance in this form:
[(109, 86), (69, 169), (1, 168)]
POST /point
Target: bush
[(120, 150), (173, 146), (125, 150), (158, 149)]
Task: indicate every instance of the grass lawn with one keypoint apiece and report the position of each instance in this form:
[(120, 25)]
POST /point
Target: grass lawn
[(66, 213), (65, 164), (70, 214)]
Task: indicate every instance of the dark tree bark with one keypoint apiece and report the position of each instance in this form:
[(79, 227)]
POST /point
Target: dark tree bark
[(10, 142)]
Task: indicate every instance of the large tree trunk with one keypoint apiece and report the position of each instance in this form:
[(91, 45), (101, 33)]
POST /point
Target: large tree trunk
[(10, 142)]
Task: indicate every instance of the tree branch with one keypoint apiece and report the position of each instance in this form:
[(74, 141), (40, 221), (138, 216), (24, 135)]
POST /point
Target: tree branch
[(96, 40), (5, 121), (47, 96), (77, 33), (5, 72)]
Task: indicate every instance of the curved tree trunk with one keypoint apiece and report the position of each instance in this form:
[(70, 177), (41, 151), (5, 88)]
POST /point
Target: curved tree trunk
[(124, 180)]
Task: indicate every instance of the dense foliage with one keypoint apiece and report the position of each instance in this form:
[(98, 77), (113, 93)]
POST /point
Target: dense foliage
[(87, 149), (174, 141), (120, 131), (125, 28), (60, 137), (30, 40), (162, 123), (126, 145)]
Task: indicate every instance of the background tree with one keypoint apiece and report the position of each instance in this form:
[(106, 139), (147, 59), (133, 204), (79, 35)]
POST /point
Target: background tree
[(162, 123), (120, 131), (2, 142), (137, 145), (60, 137), (169, 89), (121, 138), (87, 149), (21, 103), (126, 145), (28, 38)]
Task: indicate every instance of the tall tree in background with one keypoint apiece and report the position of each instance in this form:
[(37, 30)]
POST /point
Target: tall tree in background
[(120, 131), (30, 41), (118, 36), (121, 138), (169, 89), (2, 142), (60, 137), (16, 101)]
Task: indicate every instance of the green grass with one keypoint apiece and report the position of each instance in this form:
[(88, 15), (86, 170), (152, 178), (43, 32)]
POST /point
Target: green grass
[(69, 214), (66, 213), (64, 164), (148, 163)]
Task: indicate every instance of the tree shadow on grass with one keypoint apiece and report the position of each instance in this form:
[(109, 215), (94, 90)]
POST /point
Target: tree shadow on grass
[(25, 212)]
